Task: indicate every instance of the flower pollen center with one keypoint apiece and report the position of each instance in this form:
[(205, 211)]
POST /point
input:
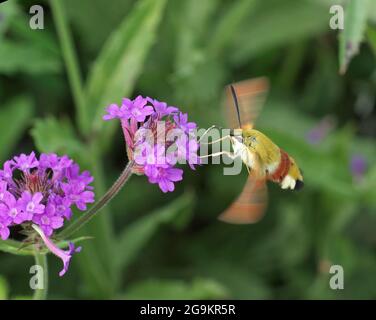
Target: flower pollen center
[(13, 212), (30, 206), (45, 220)]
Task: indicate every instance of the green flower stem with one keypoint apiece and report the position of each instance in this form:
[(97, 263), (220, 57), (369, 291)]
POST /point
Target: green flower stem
[(41, 260), (70, 59), (107, 197)]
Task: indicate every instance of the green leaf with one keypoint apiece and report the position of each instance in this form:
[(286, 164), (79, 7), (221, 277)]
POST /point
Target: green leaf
[(25, 51), (230, 23), (52, 135), (372, 11), (121, 60), (177, 290), (26, 57), (92, 35), (17, 112), (371, 36), (278, 23), (352, 35), (13, 247), (65, 243), (138, 234), (191, 22), (8, 11), (20, 249), (44, 41), (4, 290)]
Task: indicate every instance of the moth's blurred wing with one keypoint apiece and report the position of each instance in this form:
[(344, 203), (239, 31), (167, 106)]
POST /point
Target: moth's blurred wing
[(250, 205), (251, 95)]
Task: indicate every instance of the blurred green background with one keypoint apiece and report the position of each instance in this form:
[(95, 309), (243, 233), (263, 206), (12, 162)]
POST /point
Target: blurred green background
[(55, 83)]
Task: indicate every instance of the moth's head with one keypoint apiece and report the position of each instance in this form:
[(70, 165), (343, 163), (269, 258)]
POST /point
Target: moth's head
[(251, 138)]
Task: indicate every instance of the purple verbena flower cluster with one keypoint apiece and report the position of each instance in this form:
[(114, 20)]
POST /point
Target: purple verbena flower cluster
[(41, 192), (321, 130), (158, 137), (358, 167)]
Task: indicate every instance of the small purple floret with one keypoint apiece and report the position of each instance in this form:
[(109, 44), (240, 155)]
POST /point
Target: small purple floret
[(64, 255), (164, 176)]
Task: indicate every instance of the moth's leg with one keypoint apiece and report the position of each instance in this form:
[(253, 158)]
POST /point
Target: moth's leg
[(216, 154), (218, 140)]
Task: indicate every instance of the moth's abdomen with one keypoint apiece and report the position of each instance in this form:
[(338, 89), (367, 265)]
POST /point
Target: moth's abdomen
[(282, 169), (287, 174)]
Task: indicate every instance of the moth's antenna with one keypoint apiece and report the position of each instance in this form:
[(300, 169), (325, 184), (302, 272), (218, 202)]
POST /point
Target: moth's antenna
[(234, 96)]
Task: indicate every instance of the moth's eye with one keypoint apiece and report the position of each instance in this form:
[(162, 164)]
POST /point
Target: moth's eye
[(250, 140)]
